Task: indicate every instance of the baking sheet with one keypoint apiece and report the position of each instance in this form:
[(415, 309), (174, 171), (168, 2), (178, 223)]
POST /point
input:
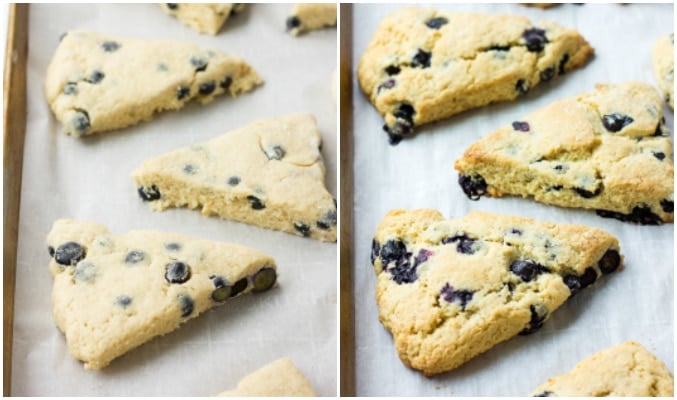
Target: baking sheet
[(89, 179), (634, 304)]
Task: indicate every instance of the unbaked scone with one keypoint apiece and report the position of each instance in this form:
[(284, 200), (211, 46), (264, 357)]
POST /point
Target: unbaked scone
[(664, 66), (280, 378), (269, 173), (311, 16), (449, 290), (424, 65), (624, 370), (113, 293), (203, 17), (606, 150), (98, 83)]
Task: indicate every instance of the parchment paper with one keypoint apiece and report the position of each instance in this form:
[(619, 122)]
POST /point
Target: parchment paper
[(89, 179), (634, 304)]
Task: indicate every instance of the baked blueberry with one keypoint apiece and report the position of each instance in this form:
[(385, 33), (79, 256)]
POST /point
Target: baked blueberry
[(182, 92), (639, 215), (538, 315), (110, 46), (96, 77), (134, 257), (173, 246), (527, 269), (327, 220), (172, 6), (586, 194), (547, 74), (207, 88), (50, 250), (546, 393), (450, 295), (563, 63), (421, 59), (464, 243), (123, 301), (85, 271), (264, 279), (238, 287), (473, 186), (609, 261), (275, 153), (659, 155), (302, 228), (436, 23), (392, 70), (177, 272), (189, 169), (499, 48), (588, 278), (255, 202), (375, 250), (226, 82), (70, 88), (521, 126), (221, 289), (405, 112), (522, 86), (422, 257), (535, 39), (388, 84), (573, 282), (81, 121), (199, 64), (293, 22), (69, 253), (187, 305), (403, 272), (149, 193), (393, 251), (614, 122), (667, 205), (234, 180)]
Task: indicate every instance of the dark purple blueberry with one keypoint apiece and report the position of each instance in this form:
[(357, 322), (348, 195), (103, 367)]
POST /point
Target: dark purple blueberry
[(226, 82), (398, 131), (255, 202), (69, 253), (573, 282), (190, 169), (182, 92), (173, 246), (405, 112), (535, 39), (275, 153), (81, 121), (302, 228), (110, 46), (392, 251), (234, 180), (436, 23), (473, 186), (392, 70), (421, 59), (499, 48), (521, 126), (123, 301), (149, 193), (538, 315), (239, 287), (207, 88), (422, 257), (556, 188), (516, 231), (547, 393), (667, 205), (264, 279), (563, 63), (50, 250), (465, 244), (172, 6), (450, 295), (527, 269), (403, 272), (586, 194), (95, 77), (221, 289), (134, 257), (375, 250), (70, 88), (522, 86), (659, 130), (85, 271), (558, 167), (615, 122), (588, 278), (639, 215), (659, 155), (293, 22), (327, 220), (177, 272), (388, 84), (187, 305), (609, 261), (547, 74), (199, 64)]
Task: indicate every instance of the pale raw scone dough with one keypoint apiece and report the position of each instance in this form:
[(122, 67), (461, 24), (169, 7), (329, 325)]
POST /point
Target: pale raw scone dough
[(606, 150), (424, 65), (113, 293), (624, 370), (311, 16), (203, 17), (664, 66), (281, 378), (99, 83), (449, 290), (269, 173)]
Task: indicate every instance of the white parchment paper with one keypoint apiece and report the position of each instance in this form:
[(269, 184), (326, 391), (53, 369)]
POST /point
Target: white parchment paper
[(633, 304), (88, 179)]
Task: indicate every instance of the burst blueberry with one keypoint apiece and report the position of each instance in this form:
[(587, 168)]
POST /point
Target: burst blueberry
[(535, 39), (473, 186), (436, 23), (609, 262), (538, 315), (521, 126), (255, 202), (421, 59), (614, 122), (149, 193), (527, 269)]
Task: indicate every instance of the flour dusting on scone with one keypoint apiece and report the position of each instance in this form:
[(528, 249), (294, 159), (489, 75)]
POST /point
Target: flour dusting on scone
[(311, 16), (424, 65), (606, 150), (281, 378), (113, 293), (664, 66), (624, 370), (449, 290), (99, 83), (269, 173), (203, 17)]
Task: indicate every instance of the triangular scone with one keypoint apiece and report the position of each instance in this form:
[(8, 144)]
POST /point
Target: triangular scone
[(624, 370), (269, 173), (311, 16), (99, 83), (113, 293), (203, 17), (606, 150), (449, 290), (424, 65), (664, 66), (280, 378)]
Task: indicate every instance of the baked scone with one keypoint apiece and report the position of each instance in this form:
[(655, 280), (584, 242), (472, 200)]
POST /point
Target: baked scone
[(624, 370), (280, 378), (203, 17), (98, 83), (269, 173), (606, 150), (449, 290), (113, 293), (311, 16), (424, 65), (664, 66)]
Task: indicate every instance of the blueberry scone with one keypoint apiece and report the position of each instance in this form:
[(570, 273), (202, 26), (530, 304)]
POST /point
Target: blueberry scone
[(625, 370), (113, 293), (606, 150), (449, 290), (664, 66), (280, 378), (424, 65), (311, 16), (98, 83), (269, 173), (203, 17)]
